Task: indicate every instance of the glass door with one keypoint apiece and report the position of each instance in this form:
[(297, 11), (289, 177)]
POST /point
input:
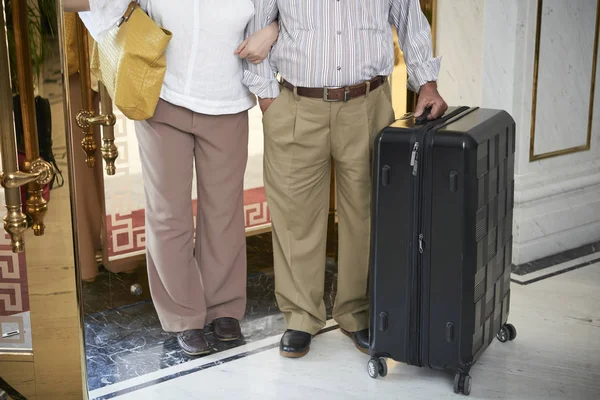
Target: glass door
[(41, 347), (75, 241)]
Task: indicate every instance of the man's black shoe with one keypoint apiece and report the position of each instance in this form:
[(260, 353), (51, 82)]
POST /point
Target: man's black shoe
[(360, 339), (295, 344)]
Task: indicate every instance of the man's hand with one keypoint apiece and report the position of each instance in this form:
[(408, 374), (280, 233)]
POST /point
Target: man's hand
[(429, 97), (265, 104)]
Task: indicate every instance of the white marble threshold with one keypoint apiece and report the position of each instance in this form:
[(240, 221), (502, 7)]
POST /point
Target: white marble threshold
[(555, 356)]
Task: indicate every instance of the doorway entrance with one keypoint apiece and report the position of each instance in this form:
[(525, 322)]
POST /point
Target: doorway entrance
[(75, 308)]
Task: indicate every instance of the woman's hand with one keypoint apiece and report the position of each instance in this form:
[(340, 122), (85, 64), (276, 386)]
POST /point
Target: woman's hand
[(256, 48)]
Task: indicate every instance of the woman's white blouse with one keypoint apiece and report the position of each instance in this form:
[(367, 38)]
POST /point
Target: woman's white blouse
[(203, 74)]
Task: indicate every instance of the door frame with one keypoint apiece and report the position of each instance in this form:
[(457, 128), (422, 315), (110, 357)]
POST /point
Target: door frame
[(56, 365), (56, 368)]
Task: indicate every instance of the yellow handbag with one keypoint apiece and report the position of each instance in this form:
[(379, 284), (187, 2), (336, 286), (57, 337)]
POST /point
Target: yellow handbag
[(72, 49), (130, 61), (71, 43)]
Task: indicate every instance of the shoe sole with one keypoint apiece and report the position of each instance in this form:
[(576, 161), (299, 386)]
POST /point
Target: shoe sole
[(196, 354), (223, 339), (293, 355), (362, 350)]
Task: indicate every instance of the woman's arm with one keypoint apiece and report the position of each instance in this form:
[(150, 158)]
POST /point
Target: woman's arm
[(76, 5), (103, 15), (256, 48)]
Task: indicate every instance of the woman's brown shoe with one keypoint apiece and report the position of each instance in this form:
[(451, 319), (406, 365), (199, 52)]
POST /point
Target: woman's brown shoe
[(193, 342), (227, 329)]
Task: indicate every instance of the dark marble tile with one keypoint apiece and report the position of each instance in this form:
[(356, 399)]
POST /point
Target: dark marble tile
[(128, 342), (259, 253), (96, 294), (109, 290), (556, 259)]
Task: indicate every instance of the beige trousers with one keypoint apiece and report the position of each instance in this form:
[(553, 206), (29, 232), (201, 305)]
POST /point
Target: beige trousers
[(192, 286), (301, 136)]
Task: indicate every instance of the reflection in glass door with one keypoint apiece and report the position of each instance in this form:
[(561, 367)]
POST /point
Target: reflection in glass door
[(39, 309), (38, 287)]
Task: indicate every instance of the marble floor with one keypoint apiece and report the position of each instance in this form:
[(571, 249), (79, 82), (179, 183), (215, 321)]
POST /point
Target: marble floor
[(124, 340), (555, 356)]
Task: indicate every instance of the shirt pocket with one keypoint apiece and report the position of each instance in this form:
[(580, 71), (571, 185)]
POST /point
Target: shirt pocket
[(307, 15)]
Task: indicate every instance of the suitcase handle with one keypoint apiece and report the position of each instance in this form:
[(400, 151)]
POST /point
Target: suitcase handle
[(422, 119)]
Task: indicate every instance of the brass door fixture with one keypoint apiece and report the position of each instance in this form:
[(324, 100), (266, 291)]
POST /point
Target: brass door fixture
[(109, 150), (37, 172), (46, 359), (86, 118)]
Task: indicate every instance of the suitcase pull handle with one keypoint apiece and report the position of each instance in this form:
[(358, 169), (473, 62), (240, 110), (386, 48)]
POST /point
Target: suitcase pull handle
[(385, 175), (422, 119), (383, 321), (449, 332), (453, 181)]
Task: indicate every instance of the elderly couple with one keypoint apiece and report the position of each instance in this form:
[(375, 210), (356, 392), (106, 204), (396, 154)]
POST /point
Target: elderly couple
[(332, 98)]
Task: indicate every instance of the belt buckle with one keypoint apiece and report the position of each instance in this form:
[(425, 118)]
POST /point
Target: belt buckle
[(326, 94)]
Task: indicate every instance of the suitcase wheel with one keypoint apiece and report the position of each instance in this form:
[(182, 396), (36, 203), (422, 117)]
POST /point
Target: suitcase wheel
[(507, 333), (377, 367), (462, 383)]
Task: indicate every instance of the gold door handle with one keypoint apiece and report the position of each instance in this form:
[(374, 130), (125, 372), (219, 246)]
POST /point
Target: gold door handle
[(86, 118), (39, 172), (109, 150), (36, 204), (106, 119)]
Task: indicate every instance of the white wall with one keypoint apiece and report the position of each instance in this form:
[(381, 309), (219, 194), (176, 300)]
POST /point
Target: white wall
[(459, 41), (489, 51)]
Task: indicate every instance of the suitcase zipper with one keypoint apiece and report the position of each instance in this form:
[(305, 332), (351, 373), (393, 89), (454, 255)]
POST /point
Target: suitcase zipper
[(424, 224), (414, 344), (422, 141), (414, 159), (420, 225)]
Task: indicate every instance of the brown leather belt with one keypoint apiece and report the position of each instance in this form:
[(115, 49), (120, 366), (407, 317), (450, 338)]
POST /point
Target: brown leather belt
[(337, 94)]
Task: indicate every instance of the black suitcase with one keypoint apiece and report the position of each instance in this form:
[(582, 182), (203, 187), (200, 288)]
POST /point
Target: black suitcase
[(441, 240)]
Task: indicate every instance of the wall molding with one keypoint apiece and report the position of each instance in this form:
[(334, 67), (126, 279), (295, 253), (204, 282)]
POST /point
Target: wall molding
[(556, 211), (536, 187), (575, 149), (555, 243)]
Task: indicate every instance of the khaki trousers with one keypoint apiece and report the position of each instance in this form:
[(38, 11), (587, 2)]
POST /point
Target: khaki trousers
[(192, 286), (301, 136)]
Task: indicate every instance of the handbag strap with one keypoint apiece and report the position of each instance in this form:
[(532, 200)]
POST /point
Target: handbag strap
[(130, 9)]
